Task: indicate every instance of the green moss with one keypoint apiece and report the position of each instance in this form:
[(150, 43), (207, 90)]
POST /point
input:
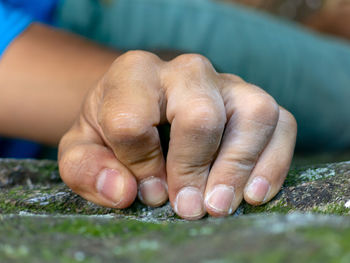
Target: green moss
[(265, 239), (274, 207), (293, 178), (332, 209), (125, 229), (335, 242), (160, 236), (300, 175)]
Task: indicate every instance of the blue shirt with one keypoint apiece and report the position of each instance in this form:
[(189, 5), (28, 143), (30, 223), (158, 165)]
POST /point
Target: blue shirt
[(15, 16)]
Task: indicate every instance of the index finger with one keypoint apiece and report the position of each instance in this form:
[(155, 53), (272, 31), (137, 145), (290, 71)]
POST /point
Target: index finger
[(127, 120)]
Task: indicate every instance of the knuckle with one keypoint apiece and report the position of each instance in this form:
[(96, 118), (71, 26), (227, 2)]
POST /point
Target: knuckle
[(240, 164), (205, 116), (135, 57), (124, 127), (231, 78), (72, 164), (243, 164), (263, 108), (193, 62), (130, 65), (64, 143), (288, 119)]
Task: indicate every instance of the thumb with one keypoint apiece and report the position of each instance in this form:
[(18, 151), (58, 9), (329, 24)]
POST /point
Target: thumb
[(91, 170)]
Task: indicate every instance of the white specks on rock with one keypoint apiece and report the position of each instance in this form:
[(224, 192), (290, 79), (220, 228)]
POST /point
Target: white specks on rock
[(316, 174), (79, 256), (28, 214), (347, 204), (42, 199), (203, 231), (143, 245)]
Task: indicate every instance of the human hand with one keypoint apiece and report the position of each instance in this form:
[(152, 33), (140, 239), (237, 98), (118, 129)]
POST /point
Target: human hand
[(229, 140)]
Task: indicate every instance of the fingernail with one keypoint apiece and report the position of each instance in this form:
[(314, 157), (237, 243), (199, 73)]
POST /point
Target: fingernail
[(221, 198), (110, 185), (189, 203), (153, 191), (258, 189)]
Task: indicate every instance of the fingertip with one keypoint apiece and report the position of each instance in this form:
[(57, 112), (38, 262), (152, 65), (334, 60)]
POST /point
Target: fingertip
[(219, 201), (153, 191), (189, 203), (118, 189), (257, 191)]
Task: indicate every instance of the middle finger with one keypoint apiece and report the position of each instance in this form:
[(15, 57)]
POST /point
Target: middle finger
[(197, 115)]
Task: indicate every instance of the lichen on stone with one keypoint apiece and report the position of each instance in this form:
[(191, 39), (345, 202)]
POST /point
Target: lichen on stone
[(42, 220), (322, 189)]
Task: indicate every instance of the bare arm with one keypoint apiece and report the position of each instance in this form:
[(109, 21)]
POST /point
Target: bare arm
[(44, 75)]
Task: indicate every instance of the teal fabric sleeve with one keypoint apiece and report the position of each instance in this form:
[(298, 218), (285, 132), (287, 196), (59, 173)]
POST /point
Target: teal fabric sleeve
[(306, 73)]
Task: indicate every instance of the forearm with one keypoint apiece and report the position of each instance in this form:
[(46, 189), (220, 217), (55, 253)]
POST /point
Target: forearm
[(44, 75)]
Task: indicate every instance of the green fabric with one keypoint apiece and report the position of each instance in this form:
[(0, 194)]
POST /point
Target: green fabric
[(306, 73)]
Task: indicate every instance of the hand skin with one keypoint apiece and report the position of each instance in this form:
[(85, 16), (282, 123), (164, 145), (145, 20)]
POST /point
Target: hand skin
[(229, 140), (112, 150)]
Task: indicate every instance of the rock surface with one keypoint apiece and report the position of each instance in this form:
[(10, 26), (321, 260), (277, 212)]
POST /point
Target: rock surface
[(35, 187), (270, 239), (41, 220)]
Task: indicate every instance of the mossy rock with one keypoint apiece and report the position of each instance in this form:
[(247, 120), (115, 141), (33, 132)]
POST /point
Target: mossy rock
[(34, 187), (42, 220), (250, 238)]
